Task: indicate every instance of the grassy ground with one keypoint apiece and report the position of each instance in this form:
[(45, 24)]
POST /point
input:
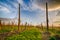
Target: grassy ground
[(32, 34), (7, 28), (29, 33)]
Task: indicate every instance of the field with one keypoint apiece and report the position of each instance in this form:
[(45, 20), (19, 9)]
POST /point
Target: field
[(29, 33)]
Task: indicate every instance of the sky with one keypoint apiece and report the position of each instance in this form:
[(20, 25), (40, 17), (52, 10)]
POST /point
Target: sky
[(32, 11)]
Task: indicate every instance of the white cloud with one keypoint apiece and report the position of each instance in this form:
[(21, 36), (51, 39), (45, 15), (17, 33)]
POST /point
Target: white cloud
[(34, 7), (31, 7), (4, 9)]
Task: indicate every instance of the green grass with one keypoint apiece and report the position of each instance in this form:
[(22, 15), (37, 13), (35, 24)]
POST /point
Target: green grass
[(31, 33), (8, 28), (26, 35), (52, 38)]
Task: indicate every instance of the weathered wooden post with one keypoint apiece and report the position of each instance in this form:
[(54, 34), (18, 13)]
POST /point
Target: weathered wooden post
[(19, 18), (26, 25), (41, 26), (12, 26), (47, 24), (52, 28), (0, 25), (46, 34), (3, 23)]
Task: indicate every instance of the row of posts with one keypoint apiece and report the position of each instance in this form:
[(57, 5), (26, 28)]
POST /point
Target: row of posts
[(46, 17), (41, 24)]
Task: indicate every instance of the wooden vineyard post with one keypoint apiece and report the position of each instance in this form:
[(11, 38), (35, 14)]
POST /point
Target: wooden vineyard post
[(52, 27), (19, 19), (12, 26), (47, 24), (26, 25), (46, 34), (0, 25), (41, 26)]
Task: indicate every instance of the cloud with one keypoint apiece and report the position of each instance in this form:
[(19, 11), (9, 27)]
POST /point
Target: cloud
[(58, 14), (34, 8), (24, 7), (29, 7), (40, 5), (52, 4), (8, 9), (4, 9)]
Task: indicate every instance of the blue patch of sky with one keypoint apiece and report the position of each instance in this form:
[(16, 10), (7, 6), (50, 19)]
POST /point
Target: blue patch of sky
[(7, 3), (10, 6), (26, 2)]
